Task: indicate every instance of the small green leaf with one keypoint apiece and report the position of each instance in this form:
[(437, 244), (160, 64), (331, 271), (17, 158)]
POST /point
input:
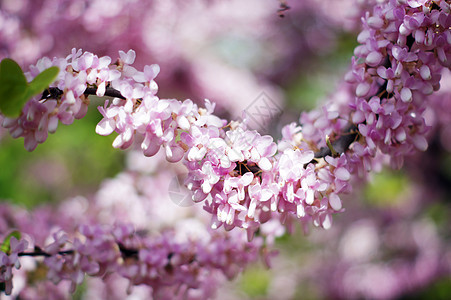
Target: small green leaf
[(6, 245), (13, 88), (331, 148), (42, 81)]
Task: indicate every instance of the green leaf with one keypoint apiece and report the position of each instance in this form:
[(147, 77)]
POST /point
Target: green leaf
[(6, 245), (13, 88), (42, 81)]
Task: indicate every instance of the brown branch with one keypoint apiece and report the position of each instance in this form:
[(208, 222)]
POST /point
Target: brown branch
[(109, 91), (56, 93), (341, 144), (126, 252), (39, 252)]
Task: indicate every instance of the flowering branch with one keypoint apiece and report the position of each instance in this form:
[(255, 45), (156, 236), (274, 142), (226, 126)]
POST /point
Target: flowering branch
[(341, 144), (155, 261)]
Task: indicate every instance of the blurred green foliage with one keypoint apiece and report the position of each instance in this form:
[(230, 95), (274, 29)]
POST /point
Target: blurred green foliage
[(73, 161), (255, 281), (386, 188), (80, 291), (439, 290), (295, 244), (439, 213), (319, 78), (445, 166)]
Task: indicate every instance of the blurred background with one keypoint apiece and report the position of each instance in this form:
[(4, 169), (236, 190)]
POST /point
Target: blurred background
[(393, 241)]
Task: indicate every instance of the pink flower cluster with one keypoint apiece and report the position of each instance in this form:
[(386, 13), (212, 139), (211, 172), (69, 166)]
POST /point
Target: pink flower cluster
[(168, 262), (399, 62), (244, 179), (404, 50)]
